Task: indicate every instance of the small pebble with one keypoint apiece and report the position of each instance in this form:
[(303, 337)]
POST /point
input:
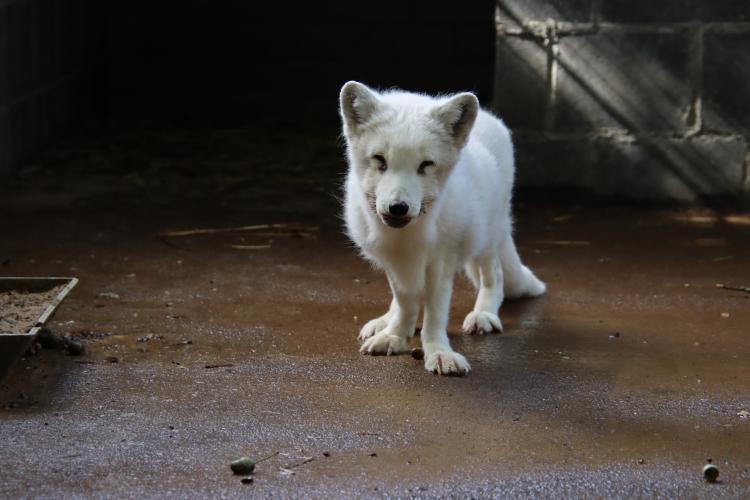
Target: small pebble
[(417, 353), (112, 359), (710, 473), (73, 346), (243, 466), (49, 340)]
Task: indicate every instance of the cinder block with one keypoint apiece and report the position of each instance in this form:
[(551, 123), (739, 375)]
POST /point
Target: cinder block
[(726, 82), (520, 94), (514, 13), (724, 10), (547, 163), (648, 11), (660, 169), (631, 81), (679, 169)]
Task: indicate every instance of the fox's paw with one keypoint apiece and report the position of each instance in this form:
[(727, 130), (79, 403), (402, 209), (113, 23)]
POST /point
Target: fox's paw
[(371, 328), (481, 322), (384, 343), (446, 362)]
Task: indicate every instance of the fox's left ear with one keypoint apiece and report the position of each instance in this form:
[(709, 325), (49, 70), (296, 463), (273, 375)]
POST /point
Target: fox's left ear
[(359, 104), (458, 115)]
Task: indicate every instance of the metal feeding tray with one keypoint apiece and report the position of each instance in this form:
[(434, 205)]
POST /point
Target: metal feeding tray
[(14, 344)]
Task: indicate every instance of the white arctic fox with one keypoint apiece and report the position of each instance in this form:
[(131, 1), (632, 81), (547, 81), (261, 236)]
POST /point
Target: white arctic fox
[(427, 193)]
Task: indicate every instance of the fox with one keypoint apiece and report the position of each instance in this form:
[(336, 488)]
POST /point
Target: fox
[(428, 194)]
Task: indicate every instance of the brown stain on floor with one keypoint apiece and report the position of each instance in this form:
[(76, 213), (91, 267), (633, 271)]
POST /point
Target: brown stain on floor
[(621, 381)]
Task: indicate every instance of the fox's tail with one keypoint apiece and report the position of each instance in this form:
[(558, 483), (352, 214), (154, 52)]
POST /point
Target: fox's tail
[(519, 280)]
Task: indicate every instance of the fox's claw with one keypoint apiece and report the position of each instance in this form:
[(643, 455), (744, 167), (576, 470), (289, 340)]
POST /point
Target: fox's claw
[(384, 343)]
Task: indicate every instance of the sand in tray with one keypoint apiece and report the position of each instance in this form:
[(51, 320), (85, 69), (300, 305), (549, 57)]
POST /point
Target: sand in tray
[(20, 309)]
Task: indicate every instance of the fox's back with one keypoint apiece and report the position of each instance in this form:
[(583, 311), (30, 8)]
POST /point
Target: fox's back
[(491, 133), (487, 167)]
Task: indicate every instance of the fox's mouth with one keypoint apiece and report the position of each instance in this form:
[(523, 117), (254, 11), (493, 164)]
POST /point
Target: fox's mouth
[(395, 222)]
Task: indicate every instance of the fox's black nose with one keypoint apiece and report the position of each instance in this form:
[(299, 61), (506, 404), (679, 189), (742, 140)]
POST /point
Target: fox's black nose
[(398, 209)]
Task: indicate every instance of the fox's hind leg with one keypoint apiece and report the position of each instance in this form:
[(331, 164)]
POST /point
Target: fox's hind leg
[(484, 319), (519, 280), (472, 272)]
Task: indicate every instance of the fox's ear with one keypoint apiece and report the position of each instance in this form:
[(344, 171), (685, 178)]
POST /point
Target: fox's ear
[(358, 105), (458, 115)]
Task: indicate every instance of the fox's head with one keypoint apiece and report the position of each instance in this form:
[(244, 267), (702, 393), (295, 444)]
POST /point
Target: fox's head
[(402, 147)]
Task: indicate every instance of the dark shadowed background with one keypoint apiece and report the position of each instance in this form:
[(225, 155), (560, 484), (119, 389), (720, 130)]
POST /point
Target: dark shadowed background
[(64, 61), (643, 101)]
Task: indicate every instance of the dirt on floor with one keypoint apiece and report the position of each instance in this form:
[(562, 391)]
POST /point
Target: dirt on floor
[(204, 347)]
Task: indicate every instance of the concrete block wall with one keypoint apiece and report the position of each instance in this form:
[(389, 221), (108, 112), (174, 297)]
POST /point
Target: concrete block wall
[(48, 54), (631, 99)]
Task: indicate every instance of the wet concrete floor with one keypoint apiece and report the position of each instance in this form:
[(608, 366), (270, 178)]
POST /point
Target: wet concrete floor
[(622, 381)]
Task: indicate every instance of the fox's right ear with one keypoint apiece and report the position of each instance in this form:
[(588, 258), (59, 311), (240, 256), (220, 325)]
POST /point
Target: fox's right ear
[(358, 106)]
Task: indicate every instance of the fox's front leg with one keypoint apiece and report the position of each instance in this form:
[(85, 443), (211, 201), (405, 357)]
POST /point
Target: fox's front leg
[(378, 324), (397, 324), (439, 356)]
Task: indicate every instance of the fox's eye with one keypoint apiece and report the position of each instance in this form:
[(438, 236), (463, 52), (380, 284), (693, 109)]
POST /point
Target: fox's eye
[(424, 165), (382, 165)]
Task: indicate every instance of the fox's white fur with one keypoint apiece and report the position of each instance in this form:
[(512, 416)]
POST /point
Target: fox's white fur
[(428, 192)]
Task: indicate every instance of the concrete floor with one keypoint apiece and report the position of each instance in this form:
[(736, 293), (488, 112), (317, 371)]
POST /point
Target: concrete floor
[(622, 381)]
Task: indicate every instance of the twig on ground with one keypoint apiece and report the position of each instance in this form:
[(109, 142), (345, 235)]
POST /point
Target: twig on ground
[(745, 289), (288, 468), (251, 247), (238, 229), (220, 365), (167, 242), (562, 242), (267, 457)]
